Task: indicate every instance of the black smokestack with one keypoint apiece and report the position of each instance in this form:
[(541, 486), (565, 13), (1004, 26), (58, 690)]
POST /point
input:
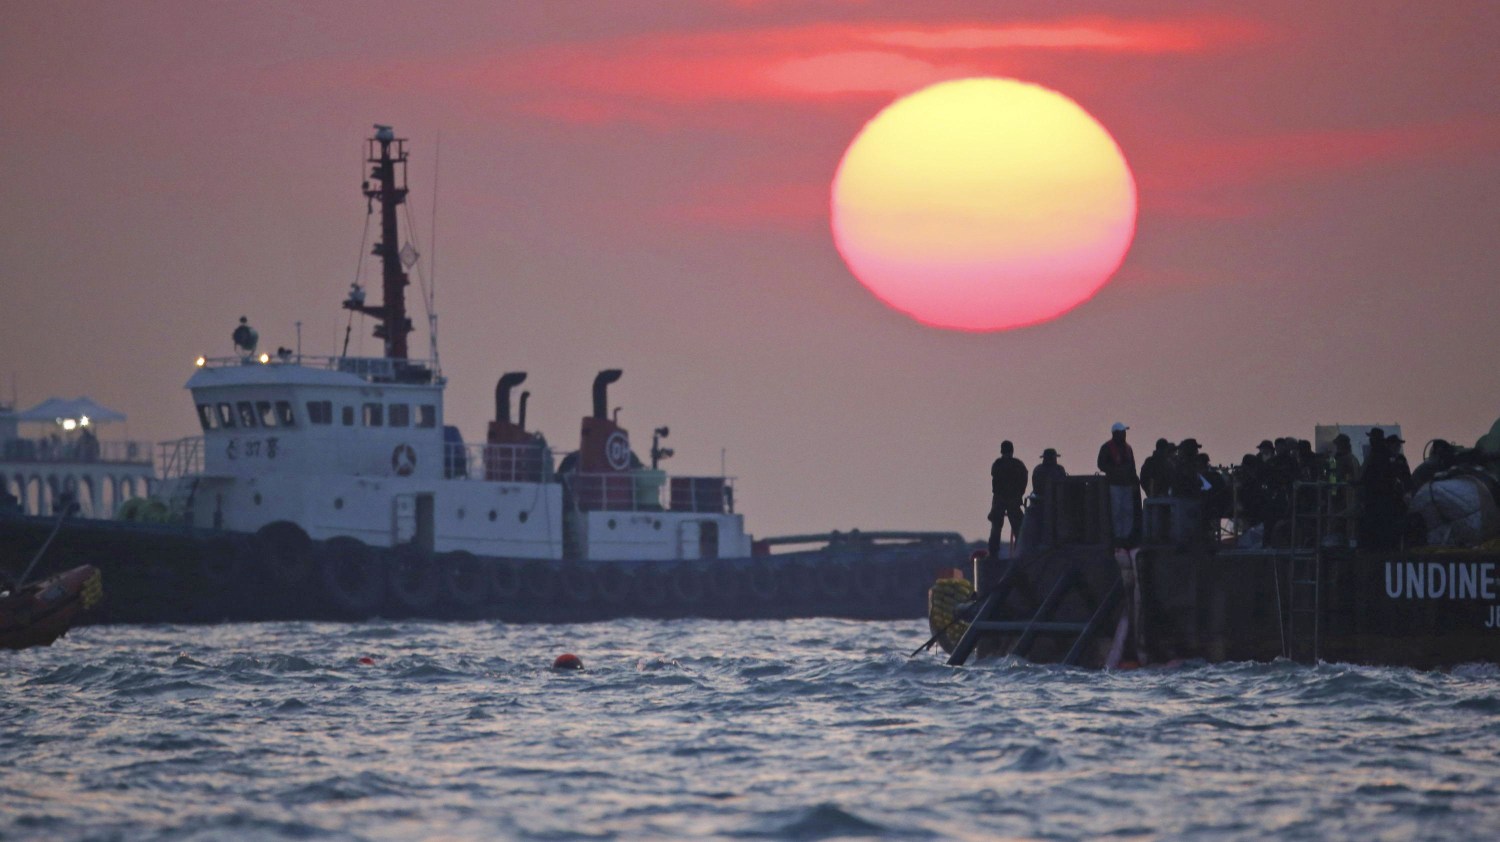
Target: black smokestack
[(508, 381), (521, 422), (601, 389)]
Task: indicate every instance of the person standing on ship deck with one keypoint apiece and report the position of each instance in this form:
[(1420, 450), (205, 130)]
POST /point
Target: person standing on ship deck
[(1043, 477), (1117, 463), (1008, 486)]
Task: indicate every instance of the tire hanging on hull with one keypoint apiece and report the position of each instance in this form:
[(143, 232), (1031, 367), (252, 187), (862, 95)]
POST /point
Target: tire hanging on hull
[(353, 577), (465, 580), (412, 580)]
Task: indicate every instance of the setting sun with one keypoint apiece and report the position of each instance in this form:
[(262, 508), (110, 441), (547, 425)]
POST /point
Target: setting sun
[(983, 204)]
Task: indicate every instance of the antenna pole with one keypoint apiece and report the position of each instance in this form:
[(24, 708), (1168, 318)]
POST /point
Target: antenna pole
[(386, 154), (432, 334)]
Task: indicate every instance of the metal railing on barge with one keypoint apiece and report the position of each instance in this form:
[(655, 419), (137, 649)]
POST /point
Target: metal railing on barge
[(371, 369)]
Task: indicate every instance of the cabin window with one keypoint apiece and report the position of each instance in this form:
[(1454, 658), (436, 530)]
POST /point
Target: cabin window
[(247, 414), (284, 414), (374, 414), (226, 416), (400, 415), (263, 412), (348, 416), (320, 412), (426, 415), (206, 416)]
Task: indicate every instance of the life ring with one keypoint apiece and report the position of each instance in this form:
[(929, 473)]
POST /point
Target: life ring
[(403, 460), (353, 577), (943, 599), (762, 582), (465, 579), (412, 580), (687, 586), (613, 584), (505, 581), (285, 553), (539, 583)]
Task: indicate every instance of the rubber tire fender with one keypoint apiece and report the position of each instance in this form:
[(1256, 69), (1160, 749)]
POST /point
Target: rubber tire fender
[(353, 577), (412, 581), (465, 579), (285, 553)]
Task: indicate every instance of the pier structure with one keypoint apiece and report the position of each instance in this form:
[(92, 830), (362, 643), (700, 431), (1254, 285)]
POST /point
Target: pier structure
[(65, 457)]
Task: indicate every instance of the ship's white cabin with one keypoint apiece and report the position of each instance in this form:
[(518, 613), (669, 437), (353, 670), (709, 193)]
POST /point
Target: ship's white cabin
[(356, 447)]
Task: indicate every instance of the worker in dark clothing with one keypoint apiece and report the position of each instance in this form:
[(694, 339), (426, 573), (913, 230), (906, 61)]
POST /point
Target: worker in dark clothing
[(1047, 473), (1156, 471), (1117, 463), (1043, 479), (1440, 457), (1008, 486), (1343, 506), (1399, 466), (245, 338), (1381, 497)]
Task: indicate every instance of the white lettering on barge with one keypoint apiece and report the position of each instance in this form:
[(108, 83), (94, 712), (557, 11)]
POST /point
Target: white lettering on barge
[(1439, 580)]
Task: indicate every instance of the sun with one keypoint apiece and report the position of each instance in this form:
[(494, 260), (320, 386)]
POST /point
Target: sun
[(983, 204)]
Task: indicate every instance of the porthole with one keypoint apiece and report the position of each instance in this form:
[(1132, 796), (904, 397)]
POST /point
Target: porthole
[(656, 524), (338, 502), (257, 498), (461, 513), (493, 514), (611, 523), (523, 516)]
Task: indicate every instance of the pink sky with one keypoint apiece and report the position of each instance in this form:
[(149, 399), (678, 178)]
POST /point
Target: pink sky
[(646, 186)]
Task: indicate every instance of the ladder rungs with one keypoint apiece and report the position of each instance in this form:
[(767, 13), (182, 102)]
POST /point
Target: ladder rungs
[(1023, 625)]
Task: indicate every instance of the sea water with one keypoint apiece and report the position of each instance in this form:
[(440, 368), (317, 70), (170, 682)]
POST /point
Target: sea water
[(802, 730)]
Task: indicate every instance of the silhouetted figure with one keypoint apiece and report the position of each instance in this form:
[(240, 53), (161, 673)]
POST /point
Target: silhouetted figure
[(1008, 487), (1441, 456), (1156, 471), (1117, 463), (1341, 473), (1382, 508), (245, 338)]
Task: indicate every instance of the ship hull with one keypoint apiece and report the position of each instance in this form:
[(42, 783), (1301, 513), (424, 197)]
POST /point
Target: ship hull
[(167, 573), (1418, 609)]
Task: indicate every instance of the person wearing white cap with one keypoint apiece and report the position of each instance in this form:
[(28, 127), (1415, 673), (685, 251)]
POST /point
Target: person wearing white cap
[(1117, 463)]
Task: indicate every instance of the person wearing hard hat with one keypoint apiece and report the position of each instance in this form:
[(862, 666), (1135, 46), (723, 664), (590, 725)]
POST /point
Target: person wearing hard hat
[(1117, 463)]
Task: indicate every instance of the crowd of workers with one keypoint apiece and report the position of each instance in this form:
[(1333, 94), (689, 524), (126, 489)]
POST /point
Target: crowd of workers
[(1358, 501)]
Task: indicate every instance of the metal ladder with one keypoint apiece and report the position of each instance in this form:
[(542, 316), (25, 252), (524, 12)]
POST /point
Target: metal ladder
[(1306, 609), (1040, 622)]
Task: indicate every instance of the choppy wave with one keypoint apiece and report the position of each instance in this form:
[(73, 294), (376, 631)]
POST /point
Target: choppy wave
[(801, 730)]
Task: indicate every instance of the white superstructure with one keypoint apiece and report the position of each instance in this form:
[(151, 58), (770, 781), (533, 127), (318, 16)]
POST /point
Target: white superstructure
[(357, 447)]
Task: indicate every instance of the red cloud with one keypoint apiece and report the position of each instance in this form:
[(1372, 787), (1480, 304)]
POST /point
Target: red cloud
[(1202, 178)]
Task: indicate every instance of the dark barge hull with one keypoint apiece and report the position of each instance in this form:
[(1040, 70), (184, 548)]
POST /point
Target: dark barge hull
[(1420, 609), (171, 574)]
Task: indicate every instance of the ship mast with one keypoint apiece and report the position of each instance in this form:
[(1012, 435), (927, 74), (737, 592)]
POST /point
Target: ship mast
[(387, 156)]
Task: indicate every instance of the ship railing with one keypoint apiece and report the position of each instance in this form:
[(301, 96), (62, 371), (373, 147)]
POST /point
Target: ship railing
[(181, 458), (647, 490), (372, 369), (498, 462), (78, 450)]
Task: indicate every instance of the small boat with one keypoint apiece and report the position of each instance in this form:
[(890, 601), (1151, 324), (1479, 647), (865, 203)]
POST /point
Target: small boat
[(41, 612)]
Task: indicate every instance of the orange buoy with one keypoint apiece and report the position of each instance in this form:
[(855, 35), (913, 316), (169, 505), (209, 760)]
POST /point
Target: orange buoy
[(367, 661), (567, 661)]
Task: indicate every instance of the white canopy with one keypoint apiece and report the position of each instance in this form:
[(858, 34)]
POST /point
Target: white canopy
[(55, 409)]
